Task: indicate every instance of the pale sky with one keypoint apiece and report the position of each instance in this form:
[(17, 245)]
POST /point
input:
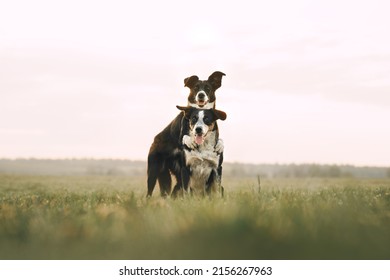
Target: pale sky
[(306, 81)]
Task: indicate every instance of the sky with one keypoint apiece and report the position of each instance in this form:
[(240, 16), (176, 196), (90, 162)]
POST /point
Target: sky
[(306, 81)]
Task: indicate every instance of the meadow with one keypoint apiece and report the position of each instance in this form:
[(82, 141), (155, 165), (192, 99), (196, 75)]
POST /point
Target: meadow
[(108, 217)]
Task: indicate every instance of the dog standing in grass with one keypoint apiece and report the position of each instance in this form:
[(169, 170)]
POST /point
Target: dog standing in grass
[(199, 170), (166, 152)]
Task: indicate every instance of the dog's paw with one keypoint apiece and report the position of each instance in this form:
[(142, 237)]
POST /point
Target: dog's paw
[(188, 142), (220, 146)]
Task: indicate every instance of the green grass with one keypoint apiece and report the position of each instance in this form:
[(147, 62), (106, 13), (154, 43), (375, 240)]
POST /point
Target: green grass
[(108, 217)]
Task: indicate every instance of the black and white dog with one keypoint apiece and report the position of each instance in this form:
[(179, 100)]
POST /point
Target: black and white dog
[(201, 161), (166, 152)]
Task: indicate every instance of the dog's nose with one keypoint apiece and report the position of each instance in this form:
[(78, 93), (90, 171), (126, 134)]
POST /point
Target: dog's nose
[(201, 95), (198, 130)]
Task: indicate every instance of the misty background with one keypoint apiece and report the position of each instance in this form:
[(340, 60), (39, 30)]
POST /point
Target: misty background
[(111, 167), (307, 82)]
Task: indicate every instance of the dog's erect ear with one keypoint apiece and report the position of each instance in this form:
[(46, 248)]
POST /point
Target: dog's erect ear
[(190, 81), (220, 115), (183, 108), (215, 79), (186, 110)]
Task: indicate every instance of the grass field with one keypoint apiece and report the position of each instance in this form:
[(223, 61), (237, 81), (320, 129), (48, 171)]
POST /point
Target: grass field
[(108, 217)]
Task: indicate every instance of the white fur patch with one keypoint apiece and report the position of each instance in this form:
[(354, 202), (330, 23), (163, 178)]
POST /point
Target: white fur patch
[(202, 162), (220, 146), (200, 124), (189, 142)]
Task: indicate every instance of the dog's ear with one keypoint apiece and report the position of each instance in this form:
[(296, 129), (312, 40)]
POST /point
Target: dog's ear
[(215, 79), (219, 115), (186, 110), (190, 81)]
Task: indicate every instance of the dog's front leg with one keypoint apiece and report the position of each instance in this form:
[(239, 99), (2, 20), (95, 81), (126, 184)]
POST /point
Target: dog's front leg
[(219, 147), (184, 137), (189, 142), (185, 176), (211, 184)]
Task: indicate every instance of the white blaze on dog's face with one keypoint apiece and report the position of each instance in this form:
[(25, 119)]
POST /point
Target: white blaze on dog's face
[(198, 126), (202, 121)]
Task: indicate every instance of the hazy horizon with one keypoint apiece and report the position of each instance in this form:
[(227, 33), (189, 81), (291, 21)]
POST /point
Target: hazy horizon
[(97, 159), (306, 82)]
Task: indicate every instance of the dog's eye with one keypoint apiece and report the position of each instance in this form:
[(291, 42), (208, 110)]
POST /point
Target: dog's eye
[(206, 88), (206, 119), (194, 119)]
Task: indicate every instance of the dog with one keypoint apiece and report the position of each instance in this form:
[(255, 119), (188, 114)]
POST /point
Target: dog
[(200, 163), (202, 96), (165, 154)]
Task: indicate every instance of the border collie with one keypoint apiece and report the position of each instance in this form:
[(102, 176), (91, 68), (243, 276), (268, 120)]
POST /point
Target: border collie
[(165, 154), (201, 162)]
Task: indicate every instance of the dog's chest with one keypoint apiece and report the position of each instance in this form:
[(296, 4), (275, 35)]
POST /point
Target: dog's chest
[(204, 159)]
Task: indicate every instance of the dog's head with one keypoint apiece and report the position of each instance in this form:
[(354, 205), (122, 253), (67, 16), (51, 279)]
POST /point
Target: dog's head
[(202, 93), (201, 121)]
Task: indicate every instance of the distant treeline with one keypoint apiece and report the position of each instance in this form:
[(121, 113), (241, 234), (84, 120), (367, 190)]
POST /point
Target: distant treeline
[(116, 167), (72, 167), (305, 170)]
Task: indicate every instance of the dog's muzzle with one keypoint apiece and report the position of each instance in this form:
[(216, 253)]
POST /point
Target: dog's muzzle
[(201, 98), (199, 136)]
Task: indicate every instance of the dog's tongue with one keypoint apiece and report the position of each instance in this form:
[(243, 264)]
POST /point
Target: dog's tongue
[(199, 139)]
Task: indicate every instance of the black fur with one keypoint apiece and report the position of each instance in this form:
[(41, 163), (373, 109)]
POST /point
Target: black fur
[(165, 158)]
